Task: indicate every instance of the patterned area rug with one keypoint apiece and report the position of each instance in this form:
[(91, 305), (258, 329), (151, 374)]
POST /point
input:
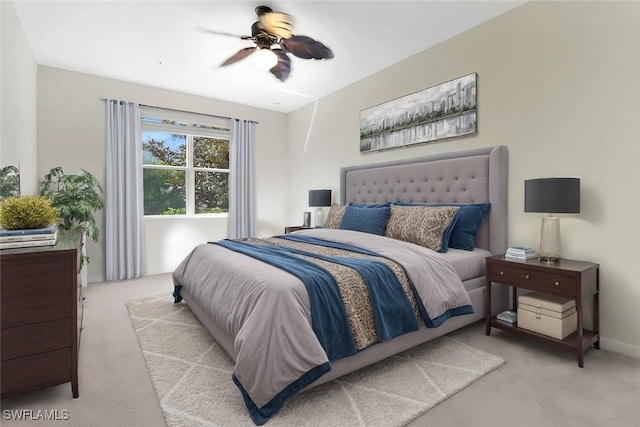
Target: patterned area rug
[(191, 374)]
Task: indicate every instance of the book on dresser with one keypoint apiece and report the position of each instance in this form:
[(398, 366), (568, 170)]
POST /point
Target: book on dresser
[(520, 253), (28, 231), (27, 244), (28, 238)]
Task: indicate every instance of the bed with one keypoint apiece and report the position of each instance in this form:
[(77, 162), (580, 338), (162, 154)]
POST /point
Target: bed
[(264, 312)]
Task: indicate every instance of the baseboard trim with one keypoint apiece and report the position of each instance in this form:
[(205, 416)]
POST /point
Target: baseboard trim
[(620, 347)]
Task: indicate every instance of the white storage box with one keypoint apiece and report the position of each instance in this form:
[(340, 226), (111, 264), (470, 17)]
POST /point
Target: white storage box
[(547, 315)]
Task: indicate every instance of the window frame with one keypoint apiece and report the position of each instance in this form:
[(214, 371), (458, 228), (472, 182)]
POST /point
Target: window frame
[(218, 128)]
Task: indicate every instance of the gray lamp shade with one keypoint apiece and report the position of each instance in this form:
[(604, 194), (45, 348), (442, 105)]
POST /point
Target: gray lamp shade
[(552, 195), (318, 198)]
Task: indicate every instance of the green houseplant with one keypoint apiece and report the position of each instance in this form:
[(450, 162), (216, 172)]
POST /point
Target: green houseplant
[(77, 198), (9, 182)]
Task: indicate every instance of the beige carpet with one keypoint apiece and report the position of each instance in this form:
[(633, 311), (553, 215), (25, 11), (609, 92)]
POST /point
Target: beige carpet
[(191, 374)]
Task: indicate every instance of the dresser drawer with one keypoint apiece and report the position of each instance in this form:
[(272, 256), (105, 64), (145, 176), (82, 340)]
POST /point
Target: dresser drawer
[(36, 338), (35, 309), (528, 279), (38, 275), (31, 372)]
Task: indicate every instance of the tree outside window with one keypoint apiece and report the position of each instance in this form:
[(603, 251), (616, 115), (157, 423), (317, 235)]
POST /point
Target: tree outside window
[(184, 173)]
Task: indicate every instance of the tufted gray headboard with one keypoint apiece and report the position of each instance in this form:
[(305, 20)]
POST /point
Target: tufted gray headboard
[(469, 176)]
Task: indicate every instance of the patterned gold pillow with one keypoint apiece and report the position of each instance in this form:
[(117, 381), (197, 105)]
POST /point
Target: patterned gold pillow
[(334, 217), (423, 225)]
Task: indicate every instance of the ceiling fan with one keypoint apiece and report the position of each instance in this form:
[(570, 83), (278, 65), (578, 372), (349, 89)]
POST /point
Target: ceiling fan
[(272, 33)]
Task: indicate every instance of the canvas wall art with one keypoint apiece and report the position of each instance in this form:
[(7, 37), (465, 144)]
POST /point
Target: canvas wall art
[(447, 110)]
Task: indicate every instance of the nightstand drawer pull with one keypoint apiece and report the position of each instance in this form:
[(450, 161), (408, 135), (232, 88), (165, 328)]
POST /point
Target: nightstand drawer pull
[(537, 316), (526, 276), (502, 273), (556, 283)]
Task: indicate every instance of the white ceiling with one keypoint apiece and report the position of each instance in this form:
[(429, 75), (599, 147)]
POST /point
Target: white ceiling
[(160, 43)]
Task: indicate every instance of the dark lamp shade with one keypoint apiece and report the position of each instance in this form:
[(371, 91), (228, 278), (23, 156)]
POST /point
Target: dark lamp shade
[(319, 198), (552, 195)]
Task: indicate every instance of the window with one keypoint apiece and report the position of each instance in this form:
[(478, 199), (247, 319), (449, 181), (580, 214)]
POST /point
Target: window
[(185, 163)]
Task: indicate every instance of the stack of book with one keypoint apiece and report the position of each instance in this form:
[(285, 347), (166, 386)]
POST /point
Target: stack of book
[(28, 238), (520, 253)]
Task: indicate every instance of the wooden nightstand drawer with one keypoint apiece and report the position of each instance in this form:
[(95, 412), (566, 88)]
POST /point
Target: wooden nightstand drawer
[(555, 284), (503, 274), (528, 279), (293, 228), (34, 309), (36, 338)]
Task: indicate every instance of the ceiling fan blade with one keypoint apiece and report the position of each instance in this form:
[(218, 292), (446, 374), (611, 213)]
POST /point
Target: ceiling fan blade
[(307, 48), (277, 23), (241, 54), (282, 69), (261, 10), (221, 33), (256, 29)]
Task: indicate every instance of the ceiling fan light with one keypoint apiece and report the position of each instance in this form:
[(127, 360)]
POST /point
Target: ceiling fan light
[(265, 59)]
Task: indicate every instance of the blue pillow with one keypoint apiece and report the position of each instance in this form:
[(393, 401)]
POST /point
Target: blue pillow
[(366, 220), (448, 233), (371, 205), (466, 226)]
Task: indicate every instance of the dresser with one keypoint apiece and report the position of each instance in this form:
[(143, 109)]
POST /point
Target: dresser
[(41, 316)]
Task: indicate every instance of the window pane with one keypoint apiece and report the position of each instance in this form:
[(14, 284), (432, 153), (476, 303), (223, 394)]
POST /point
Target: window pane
[(210, 152), (212, 192), (164, 192), (163, 148)]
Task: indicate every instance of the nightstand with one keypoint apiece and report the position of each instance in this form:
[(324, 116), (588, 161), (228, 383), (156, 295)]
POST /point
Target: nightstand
[(293, 228), (572, 279)]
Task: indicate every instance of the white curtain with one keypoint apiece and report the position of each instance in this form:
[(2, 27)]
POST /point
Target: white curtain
[(242, 197), (124, 203)]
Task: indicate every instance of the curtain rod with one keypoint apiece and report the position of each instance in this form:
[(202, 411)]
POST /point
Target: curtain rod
[(184, 111)]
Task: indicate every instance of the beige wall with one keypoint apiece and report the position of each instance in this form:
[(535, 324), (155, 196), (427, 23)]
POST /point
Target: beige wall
[(18, 105), (558, 84), (72, 134)]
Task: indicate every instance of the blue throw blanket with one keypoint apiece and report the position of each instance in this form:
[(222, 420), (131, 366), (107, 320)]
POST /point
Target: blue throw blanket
[(392, 309)]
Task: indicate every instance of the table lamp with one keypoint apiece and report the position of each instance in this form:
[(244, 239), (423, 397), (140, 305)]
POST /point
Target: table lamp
[(551, 195), (319, 199)]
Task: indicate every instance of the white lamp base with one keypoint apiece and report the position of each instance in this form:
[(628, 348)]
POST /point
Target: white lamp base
[(319, 217), (550, 244)]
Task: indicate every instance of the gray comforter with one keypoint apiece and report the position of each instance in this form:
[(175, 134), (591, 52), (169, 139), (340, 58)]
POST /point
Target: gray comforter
[(267, 310)]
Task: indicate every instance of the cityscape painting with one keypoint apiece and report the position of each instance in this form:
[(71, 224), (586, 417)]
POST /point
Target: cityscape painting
[(444, 111)]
